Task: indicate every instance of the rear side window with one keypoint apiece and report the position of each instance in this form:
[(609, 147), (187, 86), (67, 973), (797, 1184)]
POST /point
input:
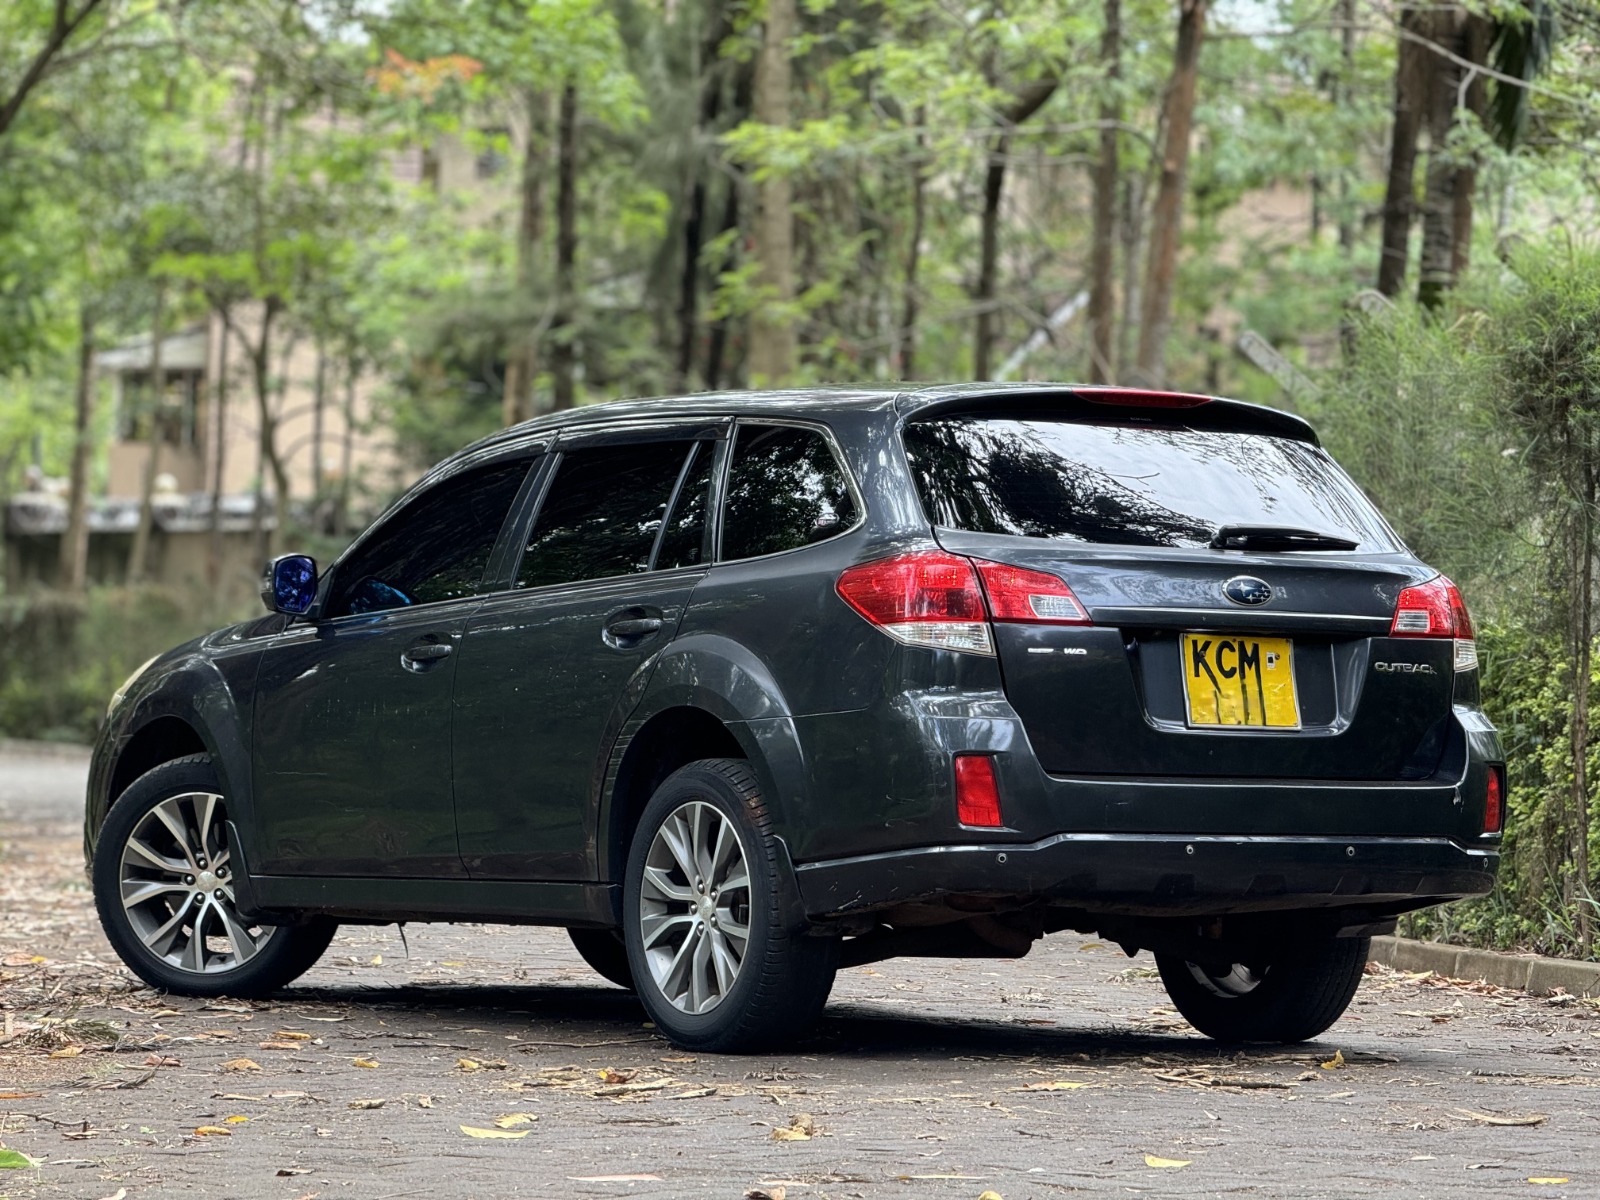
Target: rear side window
[(602, 513), (1130, 485), (785, 489), (683, 543), (435, 548)]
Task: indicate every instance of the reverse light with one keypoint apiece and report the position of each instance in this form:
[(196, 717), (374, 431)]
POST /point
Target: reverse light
[(1494, 806), (977, 795), (928, 598), (1016, 594), (1435, 610)]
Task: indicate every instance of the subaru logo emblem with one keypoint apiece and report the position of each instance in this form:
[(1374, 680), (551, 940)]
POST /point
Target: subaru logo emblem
[(1247, 589)]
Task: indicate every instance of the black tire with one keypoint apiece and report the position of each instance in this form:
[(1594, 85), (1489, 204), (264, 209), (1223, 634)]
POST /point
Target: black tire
[(283, 955), (1298, 993), (783, 978), (603, 950)]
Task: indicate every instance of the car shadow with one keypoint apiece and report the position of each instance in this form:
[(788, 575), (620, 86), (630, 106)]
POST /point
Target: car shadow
[(583, 1016)]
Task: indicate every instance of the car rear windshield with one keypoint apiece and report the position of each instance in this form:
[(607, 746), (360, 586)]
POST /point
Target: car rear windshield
[(1129, 484)]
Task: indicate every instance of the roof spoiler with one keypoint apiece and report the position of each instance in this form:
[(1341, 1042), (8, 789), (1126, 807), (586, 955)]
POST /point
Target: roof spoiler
[(1093, 402)]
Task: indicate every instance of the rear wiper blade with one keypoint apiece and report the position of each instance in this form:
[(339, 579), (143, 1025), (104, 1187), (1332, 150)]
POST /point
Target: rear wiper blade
[(1276, 537)]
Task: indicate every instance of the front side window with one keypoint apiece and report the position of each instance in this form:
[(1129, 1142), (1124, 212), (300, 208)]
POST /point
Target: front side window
[(1129, 484), (786, 489), (602, 513), (435, 548)]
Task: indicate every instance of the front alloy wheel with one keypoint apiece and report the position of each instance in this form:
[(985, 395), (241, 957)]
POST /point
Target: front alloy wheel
[(164, 873), (176, 888)]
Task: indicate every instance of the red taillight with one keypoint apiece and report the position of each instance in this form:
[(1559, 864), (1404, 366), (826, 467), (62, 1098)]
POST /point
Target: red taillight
[(1494, 805), (977, 796), (924, 599), (1016, 594), (1141, 397), (1435, 610)]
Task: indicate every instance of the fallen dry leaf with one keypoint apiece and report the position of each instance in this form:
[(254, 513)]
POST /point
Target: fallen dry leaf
[(990, 1196), (241, 1064), (1493, 1119), (776, 1193), (365, 1104), (119, 1194), (801, 1129), (292, 1035), (213, 1131), (161, 1060), (610, 1075), (364, 1062), (1055, 1085), (67, 1052), (286, 1172), (473, 1064), (424, 1101), (474, 1131), (1150, 1160), (694, 1094), (515, 1120), (1334, 1063), (235, 1120), (18, 1095), (1548, 1179), (279, 1045)]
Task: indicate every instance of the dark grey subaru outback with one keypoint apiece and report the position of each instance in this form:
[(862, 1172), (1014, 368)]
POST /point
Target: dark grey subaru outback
[(741, 689)]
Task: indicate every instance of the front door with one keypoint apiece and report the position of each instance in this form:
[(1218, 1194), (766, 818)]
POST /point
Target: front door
[(352, 710), (551, 668)]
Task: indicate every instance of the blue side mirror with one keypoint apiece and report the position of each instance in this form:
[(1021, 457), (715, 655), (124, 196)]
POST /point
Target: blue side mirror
[(290, 584)]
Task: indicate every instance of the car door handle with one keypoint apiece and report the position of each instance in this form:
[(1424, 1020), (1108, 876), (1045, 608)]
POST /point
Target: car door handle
[(424, 654), (632, 627)]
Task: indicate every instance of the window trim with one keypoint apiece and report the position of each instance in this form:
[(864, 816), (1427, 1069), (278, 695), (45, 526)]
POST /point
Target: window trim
[(716, 430), (526, 451), (839, 461)]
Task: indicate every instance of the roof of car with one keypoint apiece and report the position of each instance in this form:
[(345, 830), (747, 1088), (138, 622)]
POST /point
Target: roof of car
[(904, 398)]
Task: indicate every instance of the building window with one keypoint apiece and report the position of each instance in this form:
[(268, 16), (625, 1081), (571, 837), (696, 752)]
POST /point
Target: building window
[(177, 415), (492, 159)]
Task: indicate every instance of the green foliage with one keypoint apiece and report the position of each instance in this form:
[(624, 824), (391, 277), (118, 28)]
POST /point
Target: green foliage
[(62, 657)]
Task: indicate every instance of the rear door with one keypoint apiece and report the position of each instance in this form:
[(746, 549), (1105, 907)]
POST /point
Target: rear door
[(552, 665), (1199, 662)]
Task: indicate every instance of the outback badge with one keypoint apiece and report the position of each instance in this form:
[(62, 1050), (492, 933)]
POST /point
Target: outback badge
[(1247, 589)]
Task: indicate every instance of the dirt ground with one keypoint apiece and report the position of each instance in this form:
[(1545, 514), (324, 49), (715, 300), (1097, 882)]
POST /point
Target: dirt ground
[(1064, 1072)]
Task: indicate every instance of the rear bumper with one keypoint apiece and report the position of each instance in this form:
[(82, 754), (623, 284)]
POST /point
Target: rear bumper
[(1160, 874)]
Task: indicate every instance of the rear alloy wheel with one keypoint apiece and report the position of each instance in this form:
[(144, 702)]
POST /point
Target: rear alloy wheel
[(1290, 997), (710, 958), (164, 887)]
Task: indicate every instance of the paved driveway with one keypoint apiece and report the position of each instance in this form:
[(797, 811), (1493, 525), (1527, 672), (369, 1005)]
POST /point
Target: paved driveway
[(1064, 1072)]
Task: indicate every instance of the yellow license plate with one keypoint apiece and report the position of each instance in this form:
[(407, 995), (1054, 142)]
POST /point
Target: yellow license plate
[(1230, 680)]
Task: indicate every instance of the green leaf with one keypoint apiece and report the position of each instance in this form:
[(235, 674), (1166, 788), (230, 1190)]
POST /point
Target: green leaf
[(16, 1160)]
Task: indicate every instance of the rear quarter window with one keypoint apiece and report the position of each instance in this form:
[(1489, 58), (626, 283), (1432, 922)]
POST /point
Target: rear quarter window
[(1129, 484), (786, 489)]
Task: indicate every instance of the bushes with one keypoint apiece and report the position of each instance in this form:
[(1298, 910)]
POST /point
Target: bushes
[(62, 656)]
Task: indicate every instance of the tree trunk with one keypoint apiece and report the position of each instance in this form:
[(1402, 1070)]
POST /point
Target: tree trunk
[(522, 358), (919, 219), (1102, 284), (1579, 898), (1028, 101), (138, 559), (717, 342), (319, 396), (1439, 196), (1132, 237), (1476, 40), (346, 449), (219, 462), (708, 81), (74, 567), (563, 328), (1414, 65), (1166, 218), (772, 338), (1342, 96)]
